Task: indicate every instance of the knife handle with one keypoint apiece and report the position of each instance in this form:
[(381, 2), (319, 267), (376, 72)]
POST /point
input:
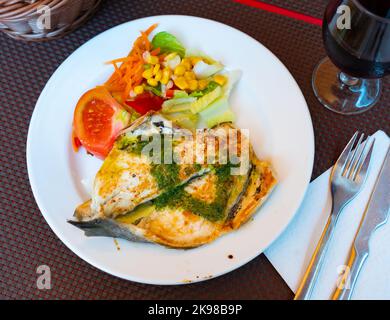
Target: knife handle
[(344, 288)]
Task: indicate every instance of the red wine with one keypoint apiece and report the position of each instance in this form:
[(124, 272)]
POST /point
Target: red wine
[(363, 50), (380, 8)]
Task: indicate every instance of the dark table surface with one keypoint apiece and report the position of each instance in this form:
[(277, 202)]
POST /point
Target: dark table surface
[(26, 241)]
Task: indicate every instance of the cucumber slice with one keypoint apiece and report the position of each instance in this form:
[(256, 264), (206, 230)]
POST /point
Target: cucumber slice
[(203, 102)]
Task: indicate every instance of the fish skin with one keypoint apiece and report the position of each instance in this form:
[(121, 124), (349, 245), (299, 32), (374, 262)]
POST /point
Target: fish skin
[(108, 228)]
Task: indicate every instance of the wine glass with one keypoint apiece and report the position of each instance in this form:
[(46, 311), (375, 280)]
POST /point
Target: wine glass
[(356, 36)]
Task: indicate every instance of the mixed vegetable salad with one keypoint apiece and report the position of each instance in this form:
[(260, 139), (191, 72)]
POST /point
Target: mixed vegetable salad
[(186, 86)]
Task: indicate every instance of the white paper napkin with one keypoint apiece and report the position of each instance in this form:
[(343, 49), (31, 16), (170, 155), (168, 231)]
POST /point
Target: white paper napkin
[(291, 253)]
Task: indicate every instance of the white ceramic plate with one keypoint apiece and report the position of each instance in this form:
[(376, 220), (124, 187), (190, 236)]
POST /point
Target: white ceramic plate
[(267, 101)]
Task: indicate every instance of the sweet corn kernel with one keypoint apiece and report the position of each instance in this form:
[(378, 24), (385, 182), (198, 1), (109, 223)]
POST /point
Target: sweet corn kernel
[(221, 80), (167, 72), (164, 80), (186, 63), (202, 84), (152, 60), (190, 75), (139, 90), (152, 82), (156, 69), (166, 75), (193, 85), (182, 83), (179, 70), (158, 75), (195, 60), (147, 74)]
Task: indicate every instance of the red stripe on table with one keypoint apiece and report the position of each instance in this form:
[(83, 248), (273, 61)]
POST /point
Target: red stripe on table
[(282, 11)]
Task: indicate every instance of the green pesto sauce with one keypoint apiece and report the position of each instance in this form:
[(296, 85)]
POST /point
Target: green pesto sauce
[(166, 175), (174, 195), (191, 170), (215, 211)]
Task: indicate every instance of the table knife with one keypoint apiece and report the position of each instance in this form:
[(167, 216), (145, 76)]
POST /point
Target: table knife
[(375, 215)]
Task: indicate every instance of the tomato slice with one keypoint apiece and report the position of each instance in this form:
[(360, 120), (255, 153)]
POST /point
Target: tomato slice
[(76, 144), (98, 118), (146, 102)]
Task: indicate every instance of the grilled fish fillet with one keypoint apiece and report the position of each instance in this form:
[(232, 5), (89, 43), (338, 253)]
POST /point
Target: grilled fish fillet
[(205, 202)]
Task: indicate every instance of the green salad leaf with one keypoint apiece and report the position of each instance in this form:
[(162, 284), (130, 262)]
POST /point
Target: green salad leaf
[(168, 43), (155, 90), (217, 112), (176, 101), (203, 102), (180, 94)]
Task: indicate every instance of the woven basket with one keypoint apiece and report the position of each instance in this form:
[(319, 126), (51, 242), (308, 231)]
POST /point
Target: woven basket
[(39, 20)]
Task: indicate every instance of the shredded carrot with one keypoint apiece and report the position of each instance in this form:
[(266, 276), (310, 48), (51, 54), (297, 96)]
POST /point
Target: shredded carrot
[(151, 28), (117, 71), (146, 41), (120, 60), (129, 74), (126, 93)]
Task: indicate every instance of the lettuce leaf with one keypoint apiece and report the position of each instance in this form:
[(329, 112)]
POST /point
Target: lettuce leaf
[(155, 90), (204, 70), (180, 94), (168, 43), (233, 77), (200, 93), (203, 102), (185, 119), (175, 101), (191, 52), (217, 112)]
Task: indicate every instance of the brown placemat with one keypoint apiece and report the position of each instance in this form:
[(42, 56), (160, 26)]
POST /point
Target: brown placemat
[(26, 241), (314, 8)]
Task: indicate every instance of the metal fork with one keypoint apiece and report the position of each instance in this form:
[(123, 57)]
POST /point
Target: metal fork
[(347, 177)]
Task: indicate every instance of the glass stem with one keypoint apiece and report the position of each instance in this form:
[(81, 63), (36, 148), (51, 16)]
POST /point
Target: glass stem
[(348, 80)]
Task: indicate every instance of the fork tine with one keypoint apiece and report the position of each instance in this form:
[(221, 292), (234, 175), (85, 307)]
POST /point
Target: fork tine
[(346, 155), (351, 157), (359, 159), (361, 170), (356, 156), (341, 161)]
